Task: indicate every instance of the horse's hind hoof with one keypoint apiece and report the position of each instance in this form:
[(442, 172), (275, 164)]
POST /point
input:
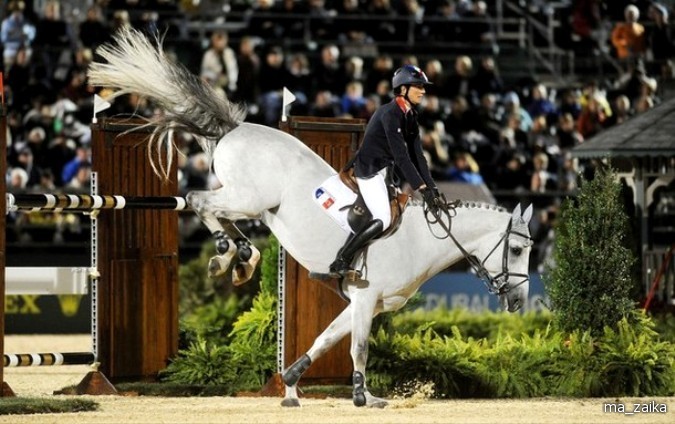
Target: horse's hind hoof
[(290, 403), (216, 267)]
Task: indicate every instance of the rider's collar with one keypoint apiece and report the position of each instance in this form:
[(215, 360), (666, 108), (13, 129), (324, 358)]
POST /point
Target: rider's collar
[(405, 107)]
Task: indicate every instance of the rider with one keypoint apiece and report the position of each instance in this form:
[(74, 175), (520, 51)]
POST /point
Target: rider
[(391, 142)]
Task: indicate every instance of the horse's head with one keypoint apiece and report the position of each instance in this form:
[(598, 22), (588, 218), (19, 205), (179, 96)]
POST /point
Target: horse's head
[(505, 263)]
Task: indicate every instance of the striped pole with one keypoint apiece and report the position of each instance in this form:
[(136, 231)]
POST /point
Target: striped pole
[(86, 202), (47, 359)]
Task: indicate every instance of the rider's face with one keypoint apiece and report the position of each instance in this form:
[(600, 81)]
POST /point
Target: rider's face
[(415, 93)]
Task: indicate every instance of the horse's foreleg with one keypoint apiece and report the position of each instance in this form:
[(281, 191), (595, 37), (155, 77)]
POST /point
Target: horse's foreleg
[(335, 332), (229, 240), (363, 305)]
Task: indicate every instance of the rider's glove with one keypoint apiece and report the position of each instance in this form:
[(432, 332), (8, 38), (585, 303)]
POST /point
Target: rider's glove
[(431, 197)]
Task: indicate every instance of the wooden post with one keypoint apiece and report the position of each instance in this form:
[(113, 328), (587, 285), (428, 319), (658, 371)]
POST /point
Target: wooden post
[(137, 258), (5, 390), (310, 306)]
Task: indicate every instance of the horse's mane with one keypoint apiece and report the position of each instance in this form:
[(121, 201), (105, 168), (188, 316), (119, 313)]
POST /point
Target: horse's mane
[(459, 203), (471, 204)]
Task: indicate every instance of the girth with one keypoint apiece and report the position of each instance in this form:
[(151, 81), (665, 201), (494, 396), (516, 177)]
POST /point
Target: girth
[(397, 201)]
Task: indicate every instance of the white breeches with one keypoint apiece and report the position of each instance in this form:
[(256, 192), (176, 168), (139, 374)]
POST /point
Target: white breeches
[(374, 191)]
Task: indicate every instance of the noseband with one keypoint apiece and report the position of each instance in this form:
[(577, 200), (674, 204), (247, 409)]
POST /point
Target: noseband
[(497, 285)]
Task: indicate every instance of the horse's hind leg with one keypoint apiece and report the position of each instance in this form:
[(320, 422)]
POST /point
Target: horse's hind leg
[(229, 240), (337, 329)]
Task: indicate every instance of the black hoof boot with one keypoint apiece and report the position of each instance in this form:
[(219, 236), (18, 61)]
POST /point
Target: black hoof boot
[(359, 392), (222, 246), (295, 371)]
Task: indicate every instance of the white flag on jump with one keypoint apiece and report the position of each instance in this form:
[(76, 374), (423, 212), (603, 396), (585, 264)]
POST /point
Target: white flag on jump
[(287, 99), (99, 105)]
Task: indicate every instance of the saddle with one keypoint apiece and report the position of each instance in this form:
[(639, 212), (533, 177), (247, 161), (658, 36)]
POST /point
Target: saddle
[(358, 214)]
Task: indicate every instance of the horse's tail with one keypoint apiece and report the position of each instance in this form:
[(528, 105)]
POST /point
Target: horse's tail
[(137, 65)]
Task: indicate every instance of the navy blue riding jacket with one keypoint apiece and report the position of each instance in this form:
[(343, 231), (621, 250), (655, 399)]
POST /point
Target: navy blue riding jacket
[(392, 138)]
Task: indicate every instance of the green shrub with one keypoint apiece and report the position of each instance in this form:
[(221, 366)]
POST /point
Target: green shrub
[(250, 357), (485, 325), (627, 359), (589, 283)]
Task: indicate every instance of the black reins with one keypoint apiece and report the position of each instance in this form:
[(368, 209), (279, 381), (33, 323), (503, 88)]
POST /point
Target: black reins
[(497, 285)]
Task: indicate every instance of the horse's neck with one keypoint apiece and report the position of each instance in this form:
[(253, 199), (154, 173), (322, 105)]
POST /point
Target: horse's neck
[(472, 227)]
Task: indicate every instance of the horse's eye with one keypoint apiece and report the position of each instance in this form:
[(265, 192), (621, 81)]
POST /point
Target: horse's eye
[(517, 250)]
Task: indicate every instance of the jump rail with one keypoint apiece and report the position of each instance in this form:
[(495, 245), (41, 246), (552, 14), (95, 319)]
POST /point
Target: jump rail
[(47, 359), (87, 202)]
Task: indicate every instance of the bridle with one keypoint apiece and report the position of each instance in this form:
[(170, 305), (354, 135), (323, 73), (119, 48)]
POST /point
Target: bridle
[(497, 285)]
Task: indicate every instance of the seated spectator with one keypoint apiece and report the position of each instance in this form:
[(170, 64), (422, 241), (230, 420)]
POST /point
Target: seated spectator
[(660, 38), (324, 105), (478, 28), (249, 69), (436, 148), (93, 30), (291, 26), (18, 180), (621, 111), (570, 103), (382, 27), (272, 79), (486, 80), (512, 136), (321, 25), (219, 64), (328, 73), (353, 103), (17, 80), (457, 123), (464, 169), (25, 162), (459, 82), (299, 80), (566, 133), (349, 27), (381, 70), (542, 180), (512, 175), (592, 117), (261, 24), (512, 106), (628, 37), (16, 33), (54, 39), (70, 169), (81, 183), (541, 105), (445, 25), (586, 23)]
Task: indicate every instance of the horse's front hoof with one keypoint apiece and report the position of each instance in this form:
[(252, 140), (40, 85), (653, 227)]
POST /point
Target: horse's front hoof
[(290, 403)]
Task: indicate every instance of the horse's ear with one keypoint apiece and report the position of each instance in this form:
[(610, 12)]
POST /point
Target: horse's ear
[(516, 213), (527, 215)]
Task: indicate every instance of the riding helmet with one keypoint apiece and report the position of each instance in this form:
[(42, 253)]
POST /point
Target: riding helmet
[(409, 75)]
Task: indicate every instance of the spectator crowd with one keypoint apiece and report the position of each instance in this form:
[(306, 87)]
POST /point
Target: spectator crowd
[(476, 127)]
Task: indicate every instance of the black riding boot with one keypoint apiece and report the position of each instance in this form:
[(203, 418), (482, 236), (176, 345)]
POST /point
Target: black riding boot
[(345, 256)]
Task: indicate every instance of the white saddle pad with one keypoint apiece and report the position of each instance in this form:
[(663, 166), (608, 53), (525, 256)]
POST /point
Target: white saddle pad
[(332, 195)]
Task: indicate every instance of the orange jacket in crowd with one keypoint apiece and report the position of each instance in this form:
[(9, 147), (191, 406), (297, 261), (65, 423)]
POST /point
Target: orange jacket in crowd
[(628, 39)]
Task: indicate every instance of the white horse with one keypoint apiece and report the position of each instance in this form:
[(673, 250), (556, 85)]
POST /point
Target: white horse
[(268, 174)]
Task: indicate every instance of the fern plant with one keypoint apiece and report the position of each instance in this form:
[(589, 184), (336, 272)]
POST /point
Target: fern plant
[(245, 357)]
